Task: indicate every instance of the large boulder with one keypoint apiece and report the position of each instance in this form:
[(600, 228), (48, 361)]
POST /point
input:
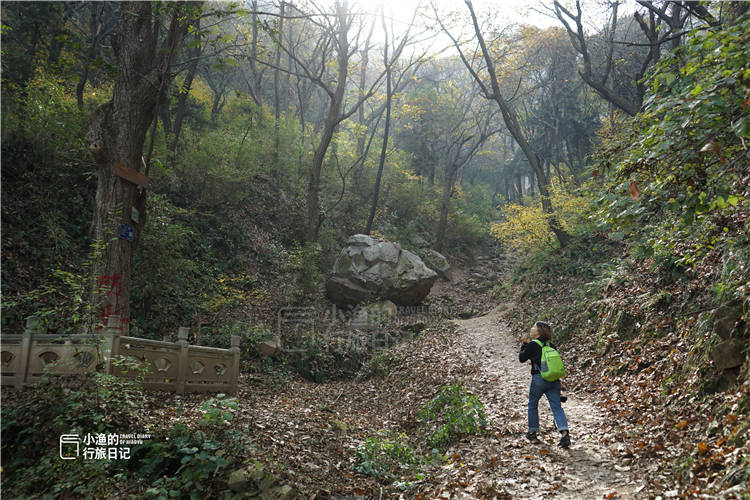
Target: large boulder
[(369, 268)]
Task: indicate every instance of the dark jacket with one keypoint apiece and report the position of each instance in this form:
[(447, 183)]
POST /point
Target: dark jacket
[(532, 351)]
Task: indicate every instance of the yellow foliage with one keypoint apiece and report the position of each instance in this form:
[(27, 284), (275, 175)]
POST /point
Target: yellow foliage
[(527, 227), (201, 92)]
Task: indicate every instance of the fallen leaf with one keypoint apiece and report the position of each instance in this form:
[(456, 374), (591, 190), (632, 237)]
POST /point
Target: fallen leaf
[(634, 191), (711, 146)]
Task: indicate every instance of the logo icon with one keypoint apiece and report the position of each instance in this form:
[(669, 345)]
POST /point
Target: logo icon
[(70, 450)]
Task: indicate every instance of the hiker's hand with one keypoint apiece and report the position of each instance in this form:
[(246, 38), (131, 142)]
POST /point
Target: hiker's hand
[(525, 339)]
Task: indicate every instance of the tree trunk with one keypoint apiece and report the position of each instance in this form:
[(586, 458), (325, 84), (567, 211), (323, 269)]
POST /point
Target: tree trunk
[(450, 178), (94, 30), (313, 184), (362, 133), (386, 132), (332, 119), (117, 132), (255, 85), (164, 112), (514, 127), (275, 172), (182, 96)]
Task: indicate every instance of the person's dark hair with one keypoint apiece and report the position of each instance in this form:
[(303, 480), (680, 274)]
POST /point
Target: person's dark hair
[(545, 331)]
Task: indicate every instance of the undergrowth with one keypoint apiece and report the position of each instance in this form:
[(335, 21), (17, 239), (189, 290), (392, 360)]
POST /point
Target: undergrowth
[(451, 415)]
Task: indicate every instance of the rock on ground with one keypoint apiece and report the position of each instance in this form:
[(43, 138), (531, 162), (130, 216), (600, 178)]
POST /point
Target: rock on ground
[(369, 268)]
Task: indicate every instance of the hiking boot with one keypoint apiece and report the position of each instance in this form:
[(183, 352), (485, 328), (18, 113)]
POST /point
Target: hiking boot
[(531, 436), (564, 441)]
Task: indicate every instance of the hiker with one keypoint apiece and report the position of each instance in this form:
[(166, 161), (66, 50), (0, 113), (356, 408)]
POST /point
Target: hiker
[(531, 350)]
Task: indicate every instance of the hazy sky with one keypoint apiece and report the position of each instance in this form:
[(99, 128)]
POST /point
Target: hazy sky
[(499, 13), (503, 11)]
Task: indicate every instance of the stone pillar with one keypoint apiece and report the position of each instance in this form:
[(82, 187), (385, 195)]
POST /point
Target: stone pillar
[(33, 325), (112, 342), (182, 358), (235, 363)]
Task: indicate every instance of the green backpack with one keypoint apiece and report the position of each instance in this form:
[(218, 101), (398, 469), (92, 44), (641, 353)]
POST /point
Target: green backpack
[(552, 368)]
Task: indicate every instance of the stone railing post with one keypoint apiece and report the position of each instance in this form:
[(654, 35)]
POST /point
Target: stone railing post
[(182, 358), (33, 325), (235, 363), (112, 341)]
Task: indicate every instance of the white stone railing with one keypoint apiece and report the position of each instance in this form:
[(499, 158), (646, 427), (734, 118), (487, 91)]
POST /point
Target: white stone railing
[(170, 366)]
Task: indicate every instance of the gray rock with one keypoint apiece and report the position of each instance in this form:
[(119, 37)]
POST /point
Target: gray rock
[(270, 348), (368, 268), (360, 240), (238, 481), (728, 354), (374, 315), (725, 318), (438, 263), (344, 291)]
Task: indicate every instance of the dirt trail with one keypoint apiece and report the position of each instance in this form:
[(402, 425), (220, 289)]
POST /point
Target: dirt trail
[(506, 465)]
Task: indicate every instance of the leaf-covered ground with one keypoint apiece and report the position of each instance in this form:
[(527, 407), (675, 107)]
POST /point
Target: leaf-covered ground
[(307, 433), (626, 441)]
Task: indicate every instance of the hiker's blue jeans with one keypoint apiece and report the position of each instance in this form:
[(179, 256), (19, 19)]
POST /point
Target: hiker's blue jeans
[(539, 386)]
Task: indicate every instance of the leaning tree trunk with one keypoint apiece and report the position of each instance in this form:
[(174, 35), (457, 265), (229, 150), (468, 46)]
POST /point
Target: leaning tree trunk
[(514, 127), (117, 132), (276, 162), (333, 118)]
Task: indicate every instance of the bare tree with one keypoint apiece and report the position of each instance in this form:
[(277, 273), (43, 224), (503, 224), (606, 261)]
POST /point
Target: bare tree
[(275, 168), (467, 138), (338, 44), (184, 91), (491, 91), (389, 62), (661, 23)]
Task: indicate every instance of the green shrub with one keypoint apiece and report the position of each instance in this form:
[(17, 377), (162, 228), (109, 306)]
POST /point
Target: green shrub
[(388, 457), (56, 405), (188, 462), (185, 464), (453, 413), (379, 365), (678, 168)]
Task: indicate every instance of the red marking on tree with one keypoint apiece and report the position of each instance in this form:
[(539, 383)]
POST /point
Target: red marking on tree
[(113, 282)]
